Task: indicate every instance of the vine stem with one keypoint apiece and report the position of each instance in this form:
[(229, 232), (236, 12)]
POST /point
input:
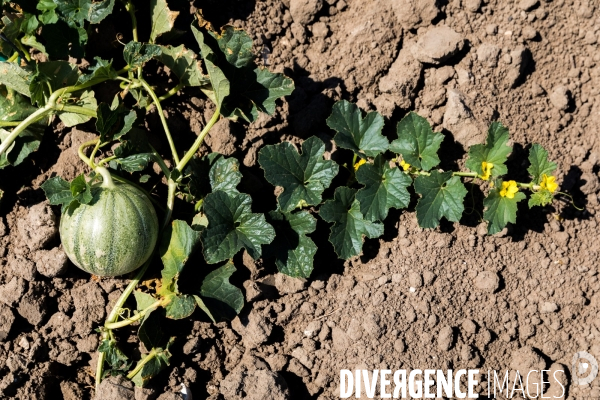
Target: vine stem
[(190, 153), (33, 118), (165, 96), (163, 120), (10, 123), (141, 364), (137, 317)]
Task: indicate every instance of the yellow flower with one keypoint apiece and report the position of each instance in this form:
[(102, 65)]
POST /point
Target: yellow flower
[(487, 170), (405, 166), (509, 189), (358, 164), (548, 182)]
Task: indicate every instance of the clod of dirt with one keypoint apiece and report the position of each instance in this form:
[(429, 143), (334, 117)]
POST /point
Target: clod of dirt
[(254, 329), (3, 230), (527, 5), (557, 376), (469, 327), (21, 266), (39, 227), (221, 138), (438, 45), (89, 307), (488, 54), (170, 396), (445, 338), (459, 120), (254, 385), (413, 14), (64, 352), (51, 263), (547, 307), (13, 291), (402, 79), (6, 320), (71, 391), (304, 11), (115, 388), (560, 98), (32, 306), (487, 281), (473, 5), (526, 360), (58, 326), (288, 285)]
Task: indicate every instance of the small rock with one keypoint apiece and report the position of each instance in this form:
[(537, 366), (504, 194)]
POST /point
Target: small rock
[(7, 318), (537, 90), (527, 5), (438, 45), (547, 307), (312, 329), (414, 14), (51, 263), (560, 98), (304, 11), (487, 281), (529, 33), (491, 29), (445, 338), (473, 5), (444, 74), (320, 29), (488, 54), (428, 277)]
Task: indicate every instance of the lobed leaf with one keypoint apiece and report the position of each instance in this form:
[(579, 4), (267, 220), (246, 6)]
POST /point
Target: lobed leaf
[(218, 298), (225, 175), (303, 176), (154, 366), (81, 190), (112, 123), (442, 195), (137, 54), (540, 165), (117, 360), (183, 63), (417, 142), (384, 188), (541, 198), (495, 151), (181, 306), (293, 251), (58, 191), (101, 69), (232, 226), (362, 136), (499, 211), (198, 170), (219, 85), (349, 225)]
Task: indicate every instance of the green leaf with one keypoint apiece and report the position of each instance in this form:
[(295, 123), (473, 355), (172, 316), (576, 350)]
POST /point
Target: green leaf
[(349, 226), (163, 19), (500, 210), (134, 153), (198, 170), (219, 84), (112, 124), (13, 106), (114, 357), (294, 252), (495, 151), (177, 244), (137, 54), (303, 177), (29, 23), (81, 190), (417, 142), (541, 198), (58, 191), (236, 46), (135, 162), (79, 11), (154, 366), (48, 9), (232, 226), (26, 143), (15, 77), (184, 64), (10, 29), (362, 136), (150, 331), (143, 300), (540, 165), (225, 175), (385, 187), (51, 76), (180, 306), (102, 69), (85, 100), (32, 41), (219, 299), (442, 195)]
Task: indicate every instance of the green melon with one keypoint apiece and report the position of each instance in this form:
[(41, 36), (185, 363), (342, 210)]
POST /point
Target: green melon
[(114, 234)]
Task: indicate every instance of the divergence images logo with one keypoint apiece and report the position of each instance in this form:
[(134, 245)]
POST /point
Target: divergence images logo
[(584, 368)]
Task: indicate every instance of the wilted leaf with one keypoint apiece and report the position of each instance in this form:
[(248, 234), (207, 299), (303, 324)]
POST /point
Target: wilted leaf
[(112, 124), (417, 142), (183, 63), (362, 136), (540, 165), (294, 252), (495, 151), (177, 244), (101, 69), (117, 360), (303, 177), (219, 299), (153, 367), (232, 226), (349, 225), (385, 187), (442, 195)]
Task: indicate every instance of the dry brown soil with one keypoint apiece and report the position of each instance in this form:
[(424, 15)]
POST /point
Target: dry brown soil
[(447, 298)]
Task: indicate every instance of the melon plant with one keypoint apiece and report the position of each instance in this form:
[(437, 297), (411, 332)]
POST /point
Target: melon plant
[(110, 215)]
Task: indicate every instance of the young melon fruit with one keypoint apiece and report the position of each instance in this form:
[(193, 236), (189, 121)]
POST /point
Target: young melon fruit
[(114, 234)]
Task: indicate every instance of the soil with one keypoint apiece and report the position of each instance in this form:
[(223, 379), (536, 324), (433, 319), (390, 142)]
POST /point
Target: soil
[(448, 298)]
